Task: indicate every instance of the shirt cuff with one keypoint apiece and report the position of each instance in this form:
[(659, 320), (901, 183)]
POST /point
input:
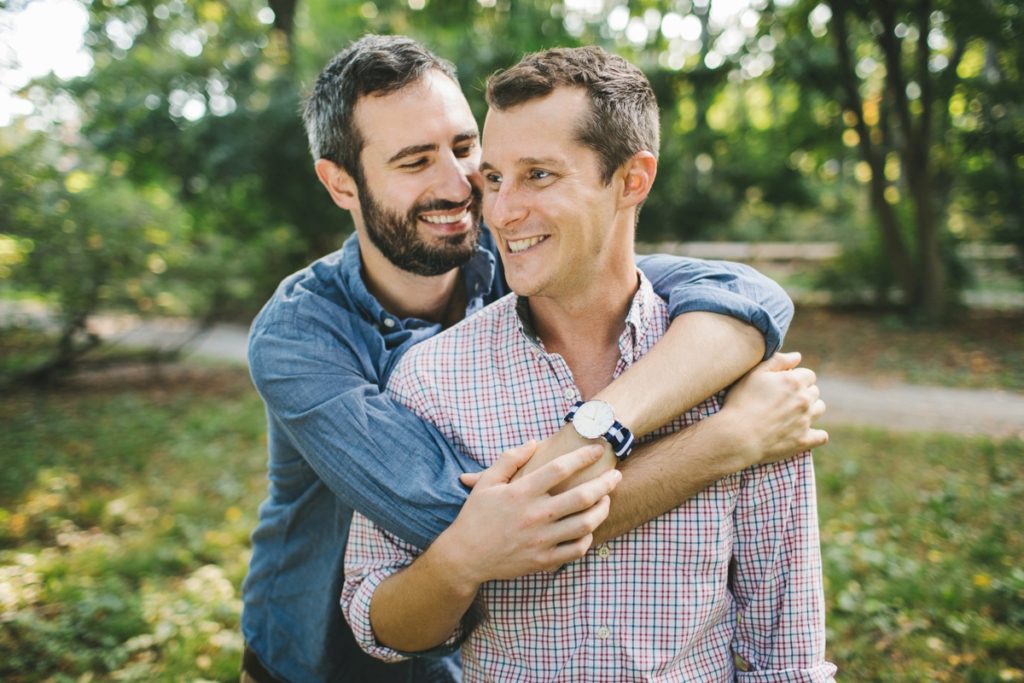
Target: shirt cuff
[(356, 607), (820, 673)]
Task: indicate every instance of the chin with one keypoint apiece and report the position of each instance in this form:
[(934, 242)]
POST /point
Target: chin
[(524, 287)]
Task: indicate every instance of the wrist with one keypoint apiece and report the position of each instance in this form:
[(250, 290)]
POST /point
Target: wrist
[(452, 562), (735, 442)]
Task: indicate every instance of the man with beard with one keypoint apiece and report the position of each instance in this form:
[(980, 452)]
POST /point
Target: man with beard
[(395, 144)]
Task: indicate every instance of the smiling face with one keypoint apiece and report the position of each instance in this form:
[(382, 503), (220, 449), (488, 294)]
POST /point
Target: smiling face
[(418, 194), (558, 223)]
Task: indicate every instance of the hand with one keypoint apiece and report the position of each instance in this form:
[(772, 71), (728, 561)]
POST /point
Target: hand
[(511, 528), (563, 441), (775, 405)]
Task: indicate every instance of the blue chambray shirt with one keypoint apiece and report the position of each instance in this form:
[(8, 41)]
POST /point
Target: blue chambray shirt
[(320, 353)]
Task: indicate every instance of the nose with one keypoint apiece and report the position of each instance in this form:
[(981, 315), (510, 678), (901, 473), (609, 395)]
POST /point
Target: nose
[(503, 207), (456, 178)]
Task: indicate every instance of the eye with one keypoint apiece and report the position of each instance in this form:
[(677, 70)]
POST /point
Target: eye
[(415, 163), (539, 174), (464, 151), (492, 179)]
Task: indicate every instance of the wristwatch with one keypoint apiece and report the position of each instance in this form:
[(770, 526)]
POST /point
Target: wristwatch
[(596, 420)]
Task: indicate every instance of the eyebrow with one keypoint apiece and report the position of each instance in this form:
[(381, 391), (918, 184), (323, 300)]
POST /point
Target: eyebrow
[(420, 149)]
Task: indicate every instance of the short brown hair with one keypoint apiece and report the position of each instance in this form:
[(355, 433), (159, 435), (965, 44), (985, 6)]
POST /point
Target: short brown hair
[(623, 117)]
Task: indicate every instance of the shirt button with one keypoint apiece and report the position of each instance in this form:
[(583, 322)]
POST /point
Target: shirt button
[(603, 632), (603, 552), (570, 394), (389, 322)]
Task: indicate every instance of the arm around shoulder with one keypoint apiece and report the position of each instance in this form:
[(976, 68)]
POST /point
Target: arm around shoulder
[(324, 402), (733, 289)]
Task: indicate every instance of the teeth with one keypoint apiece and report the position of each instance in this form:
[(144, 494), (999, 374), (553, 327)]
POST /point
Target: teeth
[(521, 245), (445, 220)]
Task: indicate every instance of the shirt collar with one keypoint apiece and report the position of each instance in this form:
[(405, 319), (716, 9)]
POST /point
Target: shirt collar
[(477, 274), (637, 325), (639, 321)]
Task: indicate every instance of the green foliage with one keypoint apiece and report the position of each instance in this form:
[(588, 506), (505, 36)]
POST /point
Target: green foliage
[(921, 538), (88, 238), (931, 102), (122, 532), (189, 120)]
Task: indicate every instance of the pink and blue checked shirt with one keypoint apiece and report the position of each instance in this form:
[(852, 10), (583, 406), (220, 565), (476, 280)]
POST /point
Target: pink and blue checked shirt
[(733, 574)]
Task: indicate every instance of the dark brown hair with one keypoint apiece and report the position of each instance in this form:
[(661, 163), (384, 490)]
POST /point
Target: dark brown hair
[(373, 65)]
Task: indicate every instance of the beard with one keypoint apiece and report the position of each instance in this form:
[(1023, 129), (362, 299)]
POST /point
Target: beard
[(398, 238)]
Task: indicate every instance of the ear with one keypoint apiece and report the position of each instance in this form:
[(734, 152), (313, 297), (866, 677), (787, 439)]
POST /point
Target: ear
[(339, 184), (637, 178)]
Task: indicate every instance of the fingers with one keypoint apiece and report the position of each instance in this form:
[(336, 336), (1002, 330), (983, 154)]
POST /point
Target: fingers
[(805, 376), (818, 409), (817, 438), (782, 361), (507, 465), (582, 523), (568, 552), (582, 497), (561, 468), (574, 535)]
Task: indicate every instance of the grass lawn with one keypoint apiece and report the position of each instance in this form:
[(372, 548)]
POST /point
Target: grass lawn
[(126, 502)]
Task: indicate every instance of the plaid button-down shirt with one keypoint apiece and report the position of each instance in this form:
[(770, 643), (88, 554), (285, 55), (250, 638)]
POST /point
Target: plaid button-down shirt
[(734, 574)]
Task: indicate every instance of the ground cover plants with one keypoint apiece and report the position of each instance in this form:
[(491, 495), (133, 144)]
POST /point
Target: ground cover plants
[(127, 497)]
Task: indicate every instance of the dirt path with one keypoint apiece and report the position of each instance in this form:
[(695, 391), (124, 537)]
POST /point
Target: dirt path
[(850, 401), (913, 408)]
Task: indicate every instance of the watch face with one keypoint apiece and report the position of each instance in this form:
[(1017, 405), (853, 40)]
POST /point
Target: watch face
[(593, 419)]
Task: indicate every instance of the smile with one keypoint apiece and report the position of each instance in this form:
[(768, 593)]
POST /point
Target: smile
[(447, 219), (516, 246)]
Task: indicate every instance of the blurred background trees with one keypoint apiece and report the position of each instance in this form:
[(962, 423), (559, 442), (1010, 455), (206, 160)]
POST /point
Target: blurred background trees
[(174, 178)]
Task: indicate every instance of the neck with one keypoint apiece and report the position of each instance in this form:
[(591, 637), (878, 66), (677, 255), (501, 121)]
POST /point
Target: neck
[(584, 328), (438, 298)]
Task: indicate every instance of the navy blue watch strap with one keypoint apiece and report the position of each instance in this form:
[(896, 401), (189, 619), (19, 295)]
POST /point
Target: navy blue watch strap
[(618, 435)]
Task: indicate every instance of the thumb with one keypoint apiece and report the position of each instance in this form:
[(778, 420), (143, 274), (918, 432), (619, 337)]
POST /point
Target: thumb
[(782, 361), (502, 471), (469, 479)]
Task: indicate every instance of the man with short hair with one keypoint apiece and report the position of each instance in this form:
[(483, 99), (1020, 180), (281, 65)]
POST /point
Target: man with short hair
[(726, 586), (395, 144)]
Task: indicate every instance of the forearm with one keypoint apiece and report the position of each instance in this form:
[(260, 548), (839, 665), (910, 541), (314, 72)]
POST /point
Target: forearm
[(679, 371), (421, 606), (674, 376), (324, 406), (662, 475)]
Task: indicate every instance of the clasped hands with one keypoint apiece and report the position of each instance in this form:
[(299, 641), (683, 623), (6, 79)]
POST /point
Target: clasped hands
[(538, 506)]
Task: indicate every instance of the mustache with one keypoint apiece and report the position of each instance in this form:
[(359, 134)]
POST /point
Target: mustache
[(472, 201)]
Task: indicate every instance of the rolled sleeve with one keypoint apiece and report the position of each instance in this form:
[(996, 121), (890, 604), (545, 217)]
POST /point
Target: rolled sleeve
[(721, 287), (371, 557)]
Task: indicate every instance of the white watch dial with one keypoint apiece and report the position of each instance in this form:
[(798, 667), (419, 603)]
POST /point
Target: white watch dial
[(593, 419)]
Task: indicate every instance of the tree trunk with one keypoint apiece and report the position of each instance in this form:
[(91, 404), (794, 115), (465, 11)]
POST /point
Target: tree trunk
[(896, 250)]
